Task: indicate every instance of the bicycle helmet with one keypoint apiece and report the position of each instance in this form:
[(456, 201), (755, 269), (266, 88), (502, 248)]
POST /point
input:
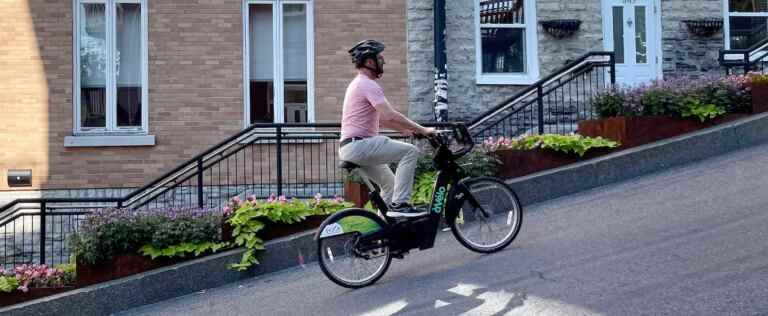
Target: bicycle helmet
[(364, 50)]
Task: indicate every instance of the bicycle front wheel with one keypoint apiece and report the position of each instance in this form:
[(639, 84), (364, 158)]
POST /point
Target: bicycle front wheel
[(351, 248), (490, 216)]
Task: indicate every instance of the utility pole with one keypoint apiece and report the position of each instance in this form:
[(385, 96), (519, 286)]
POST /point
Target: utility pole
[(441, 71)]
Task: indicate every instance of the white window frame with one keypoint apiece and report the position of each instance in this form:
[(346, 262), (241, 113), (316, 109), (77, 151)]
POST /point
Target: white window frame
[(727, 21), (531, 49), (111, 103), (277, 53)]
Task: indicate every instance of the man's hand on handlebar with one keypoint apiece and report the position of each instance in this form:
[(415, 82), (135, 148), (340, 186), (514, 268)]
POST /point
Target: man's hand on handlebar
[(427, 131)]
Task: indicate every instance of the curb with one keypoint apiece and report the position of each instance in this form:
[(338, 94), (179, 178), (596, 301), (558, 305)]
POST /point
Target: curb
[(210, 272), (170, 282)]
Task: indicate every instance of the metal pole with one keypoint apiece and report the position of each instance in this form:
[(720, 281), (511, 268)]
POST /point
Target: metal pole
[(540, 101), (279, 156), (441, 71), (42, 232), (613, 69), (200, 182)]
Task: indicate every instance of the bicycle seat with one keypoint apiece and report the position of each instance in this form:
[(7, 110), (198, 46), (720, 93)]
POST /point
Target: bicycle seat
[(348, 165)]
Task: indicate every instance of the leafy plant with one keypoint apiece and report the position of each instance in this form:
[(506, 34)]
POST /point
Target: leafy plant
[(181, 250), (669, 97), (34, 276), (320, 206), (250, 217), (694, 107), (568, 144), (422, 188), (114, 231), (757, 79), (610, 104), (8, 284)]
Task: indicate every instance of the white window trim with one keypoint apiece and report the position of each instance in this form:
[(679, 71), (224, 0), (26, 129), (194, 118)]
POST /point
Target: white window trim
[(111, 119), (531, 49), (109, 141), (277, 38), (727, 22)]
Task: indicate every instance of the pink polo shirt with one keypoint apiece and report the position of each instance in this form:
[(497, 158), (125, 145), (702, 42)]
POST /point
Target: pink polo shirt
[(359, 115)]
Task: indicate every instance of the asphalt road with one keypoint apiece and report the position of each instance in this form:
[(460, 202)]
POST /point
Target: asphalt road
[(688, 241)]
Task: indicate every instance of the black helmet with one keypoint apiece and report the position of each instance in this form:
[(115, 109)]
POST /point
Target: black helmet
[(364, 50)]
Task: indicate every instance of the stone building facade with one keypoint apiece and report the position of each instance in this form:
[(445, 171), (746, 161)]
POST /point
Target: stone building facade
[(679, 51)]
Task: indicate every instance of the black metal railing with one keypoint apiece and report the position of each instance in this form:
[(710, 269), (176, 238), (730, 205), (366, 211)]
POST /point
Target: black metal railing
[(295, 160), (553, 104), (752, 59)]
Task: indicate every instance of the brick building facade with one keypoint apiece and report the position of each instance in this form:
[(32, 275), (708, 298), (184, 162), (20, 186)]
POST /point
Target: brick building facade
[(195, 96)]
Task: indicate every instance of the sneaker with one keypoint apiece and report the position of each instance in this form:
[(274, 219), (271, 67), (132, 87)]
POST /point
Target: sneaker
[(404, 210)]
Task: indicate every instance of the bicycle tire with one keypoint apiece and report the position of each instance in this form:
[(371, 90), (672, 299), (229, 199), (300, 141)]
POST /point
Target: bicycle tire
[(338, 225), (502, 200)]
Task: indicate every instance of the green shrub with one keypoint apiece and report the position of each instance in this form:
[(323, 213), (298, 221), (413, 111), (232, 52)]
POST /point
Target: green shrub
[(568, 144)]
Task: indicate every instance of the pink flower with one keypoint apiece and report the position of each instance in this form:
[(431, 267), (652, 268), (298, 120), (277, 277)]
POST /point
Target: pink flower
[(252, 198), (227, 210), (271, 198), (282, 198), (24, 288)]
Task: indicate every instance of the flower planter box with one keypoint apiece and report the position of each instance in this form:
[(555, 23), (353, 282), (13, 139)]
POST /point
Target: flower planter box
[(120, 266), (277, 230), (517, 163), (759, 98), (640, 130), (17, 296), (356, 193)]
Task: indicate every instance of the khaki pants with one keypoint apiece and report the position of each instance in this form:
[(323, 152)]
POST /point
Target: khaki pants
[(373, 154)]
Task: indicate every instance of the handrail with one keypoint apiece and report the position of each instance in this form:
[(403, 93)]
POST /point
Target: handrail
[(746, 55), (528, 91), (186, 166)]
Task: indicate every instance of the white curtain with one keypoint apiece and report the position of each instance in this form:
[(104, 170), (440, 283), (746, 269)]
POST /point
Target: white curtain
[(93, 48), (260, 39), (295, 42), (128, 41)]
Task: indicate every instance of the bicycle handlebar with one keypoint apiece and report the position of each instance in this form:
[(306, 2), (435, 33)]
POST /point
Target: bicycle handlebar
[(460, 133)]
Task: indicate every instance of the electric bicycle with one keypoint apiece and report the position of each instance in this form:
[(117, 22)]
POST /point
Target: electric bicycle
[(356, 246)]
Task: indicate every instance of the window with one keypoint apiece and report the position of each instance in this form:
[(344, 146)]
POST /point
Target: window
[(505, 41), (110, 67), (278, 62), (745, 23)]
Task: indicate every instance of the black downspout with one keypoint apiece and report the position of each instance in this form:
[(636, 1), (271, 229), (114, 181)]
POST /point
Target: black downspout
[(441, 72)]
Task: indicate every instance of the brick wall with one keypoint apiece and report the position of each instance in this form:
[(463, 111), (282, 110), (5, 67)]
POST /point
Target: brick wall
[(339, 24), (195, 84)]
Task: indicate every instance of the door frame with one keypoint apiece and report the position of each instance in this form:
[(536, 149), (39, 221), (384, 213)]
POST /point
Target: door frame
[(656, 45)]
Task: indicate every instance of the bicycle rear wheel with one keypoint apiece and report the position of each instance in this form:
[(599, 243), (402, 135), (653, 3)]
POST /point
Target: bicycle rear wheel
[(490, 216), (351, 248)]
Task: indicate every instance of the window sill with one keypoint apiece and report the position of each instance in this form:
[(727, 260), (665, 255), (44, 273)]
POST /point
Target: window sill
[(506, 80), (109, 141)]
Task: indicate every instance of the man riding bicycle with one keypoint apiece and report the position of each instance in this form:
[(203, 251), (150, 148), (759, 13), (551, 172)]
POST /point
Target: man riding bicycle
[(365, 109)]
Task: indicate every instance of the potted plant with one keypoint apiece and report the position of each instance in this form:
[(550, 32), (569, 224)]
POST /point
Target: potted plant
[(666, 108), (529, 154), (28, 282)]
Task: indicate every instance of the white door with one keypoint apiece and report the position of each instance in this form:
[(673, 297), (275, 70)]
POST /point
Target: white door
[(631, 30)]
